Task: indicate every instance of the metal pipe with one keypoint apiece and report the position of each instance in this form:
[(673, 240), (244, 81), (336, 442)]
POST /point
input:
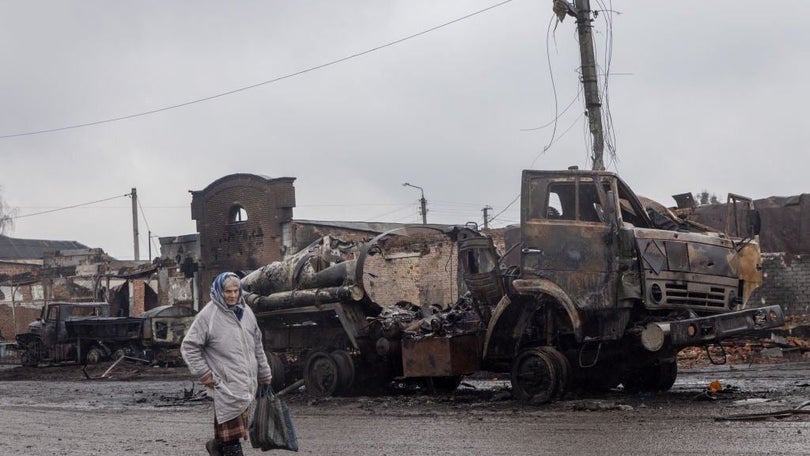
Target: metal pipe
[(302, 298)]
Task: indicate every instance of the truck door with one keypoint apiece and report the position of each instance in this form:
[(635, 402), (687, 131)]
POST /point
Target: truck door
[(569, 234), (50, 327)]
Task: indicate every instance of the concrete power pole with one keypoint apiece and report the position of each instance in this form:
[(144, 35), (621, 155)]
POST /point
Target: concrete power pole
[(422, 201), (582, 11), (486, 210), (134, 196), (590, 82)]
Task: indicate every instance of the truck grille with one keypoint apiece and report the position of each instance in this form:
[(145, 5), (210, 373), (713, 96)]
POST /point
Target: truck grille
[(680, 295)]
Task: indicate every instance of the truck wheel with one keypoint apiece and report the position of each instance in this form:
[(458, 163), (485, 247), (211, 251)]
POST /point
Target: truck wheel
[(534, 376), (651, 377), (30, 357), (345, 369), (444, 385), (321, 375), (279, 380), (563, 367), (668, 374), (94, 356)]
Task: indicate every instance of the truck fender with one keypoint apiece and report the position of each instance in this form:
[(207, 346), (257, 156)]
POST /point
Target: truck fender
[(538, 287)]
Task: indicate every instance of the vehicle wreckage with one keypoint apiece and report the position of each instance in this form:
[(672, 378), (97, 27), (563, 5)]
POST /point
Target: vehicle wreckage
[(84, 332), (605, 291)]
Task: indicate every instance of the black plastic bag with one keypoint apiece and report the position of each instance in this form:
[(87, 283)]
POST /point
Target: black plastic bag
[(271, 426)]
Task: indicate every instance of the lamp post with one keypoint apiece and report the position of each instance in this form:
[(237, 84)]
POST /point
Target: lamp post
[(422, 201)]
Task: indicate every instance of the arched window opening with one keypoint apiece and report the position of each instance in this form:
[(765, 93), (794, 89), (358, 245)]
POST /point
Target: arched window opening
[(238, 214)]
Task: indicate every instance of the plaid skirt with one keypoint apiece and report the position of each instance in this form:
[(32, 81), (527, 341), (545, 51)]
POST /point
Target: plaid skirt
[(234, 429)]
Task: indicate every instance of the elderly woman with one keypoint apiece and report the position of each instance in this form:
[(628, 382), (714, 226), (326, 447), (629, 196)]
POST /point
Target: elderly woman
[(223, 348)]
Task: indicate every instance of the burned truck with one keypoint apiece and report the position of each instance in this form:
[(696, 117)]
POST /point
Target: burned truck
[(609, 289), (84, 332), (599, 290)]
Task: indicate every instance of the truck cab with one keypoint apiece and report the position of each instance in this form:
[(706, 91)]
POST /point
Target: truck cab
[(602, 287)]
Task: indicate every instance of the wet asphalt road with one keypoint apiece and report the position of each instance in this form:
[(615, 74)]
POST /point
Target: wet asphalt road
[(148, 416)]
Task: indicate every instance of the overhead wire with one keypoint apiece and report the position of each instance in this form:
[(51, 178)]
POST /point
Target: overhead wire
[(259, 84), (557, 117), (504, 209), (557, 114), (553, 87), (399, 209), (69, 207)]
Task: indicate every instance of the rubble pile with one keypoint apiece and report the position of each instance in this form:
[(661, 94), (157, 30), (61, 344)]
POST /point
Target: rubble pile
[(770, 350)]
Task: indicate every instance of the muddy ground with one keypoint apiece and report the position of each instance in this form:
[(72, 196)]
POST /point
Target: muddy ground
[(158, 411)]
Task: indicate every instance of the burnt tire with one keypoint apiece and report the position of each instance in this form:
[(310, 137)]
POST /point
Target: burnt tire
[(534, 376), (94, 355), (321, 375), (279, 371), (564, 370), (651, 378), (444, 385), (668, 375), (30, 357), (346, 370)]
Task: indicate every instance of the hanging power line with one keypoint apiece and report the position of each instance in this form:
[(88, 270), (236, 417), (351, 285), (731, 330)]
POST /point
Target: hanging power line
[(504, 209), (70, 207), (557, 117), (259, 84)]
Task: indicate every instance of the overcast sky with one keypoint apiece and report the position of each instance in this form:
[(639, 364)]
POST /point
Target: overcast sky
[(703, 95)]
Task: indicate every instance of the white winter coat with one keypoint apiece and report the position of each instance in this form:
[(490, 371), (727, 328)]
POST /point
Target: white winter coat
[(218, 342)]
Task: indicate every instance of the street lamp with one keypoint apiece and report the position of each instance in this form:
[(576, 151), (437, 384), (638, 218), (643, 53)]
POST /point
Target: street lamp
[(422, 201)]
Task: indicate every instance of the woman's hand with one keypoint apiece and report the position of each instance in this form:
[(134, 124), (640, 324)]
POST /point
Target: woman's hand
[(208, 380)]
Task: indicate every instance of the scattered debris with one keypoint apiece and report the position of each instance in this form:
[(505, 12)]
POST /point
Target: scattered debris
[(123, 374), (599, 406), (189, 396), (779, 414)]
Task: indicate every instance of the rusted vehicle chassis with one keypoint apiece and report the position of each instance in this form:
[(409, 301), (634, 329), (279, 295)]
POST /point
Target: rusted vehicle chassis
[(85, 333)]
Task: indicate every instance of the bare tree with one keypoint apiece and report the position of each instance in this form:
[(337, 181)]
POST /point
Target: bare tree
[(7, 215)]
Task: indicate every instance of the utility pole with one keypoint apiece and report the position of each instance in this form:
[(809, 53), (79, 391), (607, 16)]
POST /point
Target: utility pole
[(582, 11), (134, 196), (422, 201), (486, 210)]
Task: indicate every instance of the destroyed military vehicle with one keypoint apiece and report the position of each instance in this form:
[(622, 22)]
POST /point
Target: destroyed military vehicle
[(604, 291)]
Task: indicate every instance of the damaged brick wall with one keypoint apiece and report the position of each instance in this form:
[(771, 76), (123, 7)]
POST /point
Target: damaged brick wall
[(239, 220), (22, 314), (19, 304), (786, 280)]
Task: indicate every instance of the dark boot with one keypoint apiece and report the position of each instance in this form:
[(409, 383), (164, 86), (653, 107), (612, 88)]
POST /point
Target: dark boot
[(214, 447), (232, 448)]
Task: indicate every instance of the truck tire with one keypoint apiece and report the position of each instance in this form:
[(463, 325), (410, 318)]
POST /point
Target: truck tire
[(30, 357), (652, 378), (444, 385), (346, 370), (321, 375), (94, 355), (563, 367), (534, 376), (278, 370)]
